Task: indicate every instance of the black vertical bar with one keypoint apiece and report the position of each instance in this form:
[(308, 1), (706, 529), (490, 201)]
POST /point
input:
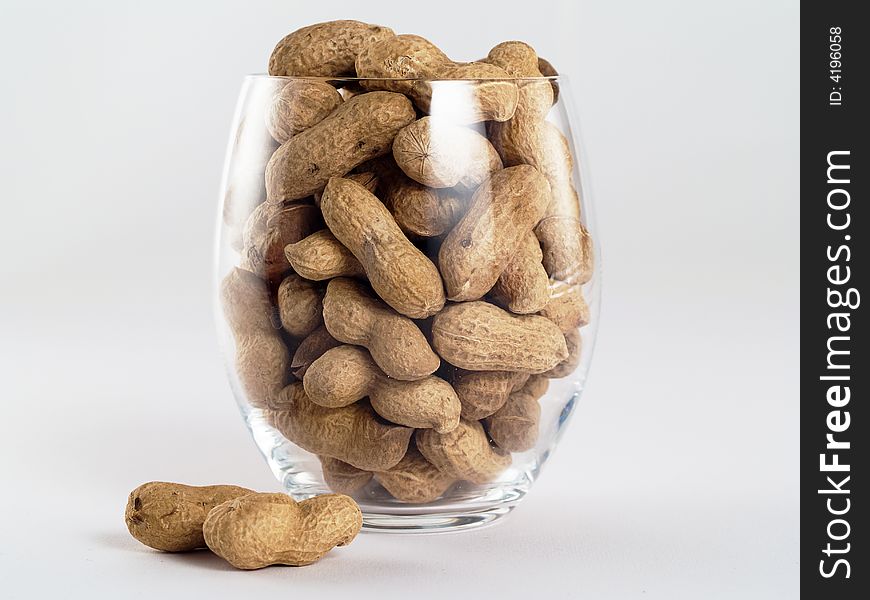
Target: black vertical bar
[(834, 358)]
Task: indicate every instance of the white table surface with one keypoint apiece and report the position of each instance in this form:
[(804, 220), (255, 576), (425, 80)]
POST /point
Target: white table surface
[(676, 479)]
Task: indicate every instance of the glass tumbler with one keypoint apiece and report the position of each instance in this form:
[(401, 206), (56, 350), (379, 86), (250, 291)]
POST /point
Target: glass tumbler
[(407, 288)]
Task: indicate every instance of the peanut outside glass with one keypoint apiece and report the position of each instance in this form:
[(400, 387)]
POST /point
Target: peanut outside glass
[(463, 505)]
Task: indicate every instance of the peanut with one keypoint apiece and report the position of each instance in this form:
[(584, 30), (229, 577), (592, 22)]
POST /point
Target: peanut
[(396, 344), (422, 404), (568, 253), (358, 130), (569, 365), (518, 59), (259, 530), (419, 211), (325, 49), (479, 336), (312, 348), (544, 147), (535, 96), (566, 307), (289, 397), (320, 256), (514, 427), (547, 70), (342, 477), (526, 138), (367, 179), (464, 453), (298, 106), (557, 164), (300, 306), (523, 286), (346, 374), (340, 377), (440, 154), (535, 385), (352, 434), (401, 275), (422, 212), (169, 516), (269, 229), (262, 359), (503, 210), (481, 393), (414, 479), (403, 64)]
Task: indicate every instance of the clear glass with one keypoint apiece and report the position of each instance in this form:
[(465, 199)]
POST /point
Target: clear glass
[(272, 196)]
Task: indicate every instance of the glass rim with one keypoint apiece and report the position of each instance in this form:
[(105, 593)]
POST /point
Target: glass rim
[(289, 78)]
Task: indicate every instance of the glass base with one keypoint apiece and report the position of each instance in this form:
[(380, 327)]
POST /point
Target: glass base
[(482, 507), (445, 516), (430, 523)]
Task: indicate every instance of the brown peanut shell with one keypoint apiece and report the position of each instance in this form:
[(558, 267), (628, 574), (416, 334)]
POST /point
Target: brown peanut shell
[(568, 252), (414, 479), (325, 49), (262, 358), (368, 179), (419, 211), (320, 256), (504, 209), (352, 434), (440, 154), (479, 336), (548, 70), (567, 308), (484, 392), (169, 516), (358, 130), (346, 374), (400, 274), (464, 453), (523, 286), (514, 427), (269, 229), (341, 376), (300, 306), (408, 64), (535, 96), (259, 530), (569, 365), (312, 348), (396, 344), (341, 477), (298, 105)]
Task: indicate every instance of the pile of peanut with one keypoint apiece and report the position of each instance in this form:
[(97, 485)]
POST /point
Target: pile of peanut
[(413, 275)]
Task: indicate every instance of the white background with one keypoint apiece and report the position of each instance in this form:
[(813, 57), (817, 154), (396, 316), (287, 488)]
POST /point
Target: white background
[(678, 476)]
